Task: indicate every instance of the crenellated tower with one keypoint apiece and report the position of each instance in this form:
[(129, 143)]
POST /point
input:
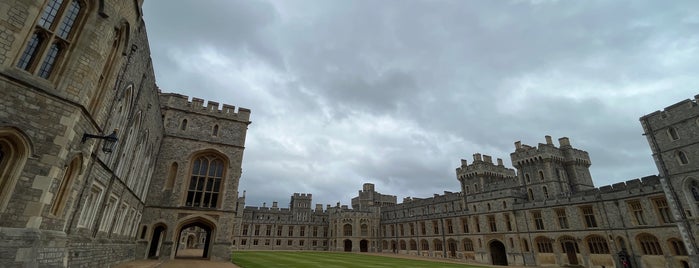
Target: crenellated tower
[(546, 171), (484, 176)]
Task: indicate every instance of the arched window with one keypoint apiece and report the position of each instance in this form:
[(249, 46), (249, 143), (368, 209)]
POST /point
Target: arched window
[(475, 188), (544, 244), (424, 245), (413, 244), (468, 191), (682, 157), (694, 188), (347, 229), (108, 70), (530, 194), (402, 245), (183, 125), (468, 244), (649, 244), (52, 38), (215, 131), (69, 176), (677, 247), (526, 178), (205, 183), (437, 244), (546, 192), (541, 175), (365, 229), (172, 175), (597, 245), (14, 150), (672, 132), (525, 245)]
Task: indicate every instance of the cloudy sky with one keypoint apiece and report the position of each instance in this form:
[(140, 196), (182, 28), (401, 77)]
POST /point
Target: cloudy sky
[(396, 92)]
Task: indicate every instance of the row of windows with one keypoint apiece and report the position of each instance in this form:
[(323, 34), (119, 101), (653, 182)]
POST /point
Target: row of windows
[(279, 242), (268, 230), (117, 218), (214, 130)]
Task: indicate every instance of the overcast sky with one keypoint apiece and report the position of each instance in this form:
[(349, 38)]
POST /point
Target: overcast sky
[(396, 92)]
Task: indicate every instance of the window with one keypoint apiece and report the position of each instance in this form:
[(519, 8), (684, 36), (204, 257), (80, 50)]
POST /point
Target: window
[(544, 244), (437, 244), (694, 188), (243, 242), (315, 231), (245, 229), (491, 222), (215, 131), (541, 175), (589, 215), (413, 244), (672, 133), (525, 245), (450, 227), (92, 202), (255, 242), (649, 244), (347, 229), (569, 242), (257, 230), (475, 188), (538, 220), (637, 210), (597, 245), (464, 225), (530, 194), (562, 218), (14, 150), (526, 178), (423, 230), (468, 244), (435, 227), (682, 158), (183, 125), (291, 231), (52, 37), (424, 245), (301, 242), (105, 81), (477, 223), (268, 230), (289, 242), (546, 192), (677, 247), (508, 222), (108, 215), (302, 232), (63, 193), (364, 229), (279, 242), (205, 183), (266, 242), (663, 210), (412, 228), (279, 231), (120, 217)]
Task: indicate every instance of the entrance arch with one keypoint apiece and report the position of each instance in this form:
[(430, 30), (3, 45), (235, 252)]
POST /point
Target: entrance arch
[(196, 227), (156, 241), (498, 253), (348, 245), (451, 247), (364, 246)]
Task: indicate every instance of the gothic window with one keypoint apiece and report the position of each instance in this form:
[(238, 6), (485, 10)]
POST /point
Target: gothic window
[(215, 131), (491, 222), (530, 194), (450, 226), (544, 244), (464, 225), (52, 37), (663, 210), (637, 210), (205, 182), (525, 245), (526, 178), (183, 125), (108, 69), (597, 245), (347, 229), (538, 220), (92, 202), (424, 245), (541, 175), (677, 247), (672, 132), (66, 184), (437, 244), (14, 151), (546, 192), (413, 244), (649, 244), (108, 215), (682, 158), (694, 188)]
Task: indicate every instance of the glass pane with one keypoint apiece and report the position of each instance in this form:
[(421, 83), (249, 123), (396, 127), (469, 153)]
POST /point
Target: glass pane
[(204, 166), (47, 65), (190, 198), (68, 20), (193, 183), (217, 185), (207, 200), (195, 167), (210, 185), (219, 170), (213, 168), (197, 199), (49, 14), (200, 184), (29, 52)]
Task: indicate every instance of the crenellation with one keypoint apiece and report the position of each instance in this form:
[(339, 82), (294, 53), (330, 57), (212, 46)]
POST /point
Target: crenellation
[(196, 105)]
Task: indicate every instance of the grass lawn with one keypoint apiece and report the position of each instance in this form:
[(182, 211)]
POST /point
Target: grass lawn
[(308, 259)]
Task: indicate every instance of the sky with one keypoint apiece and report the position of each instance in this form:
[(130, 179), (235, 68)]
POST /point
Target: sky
[(395, 93)]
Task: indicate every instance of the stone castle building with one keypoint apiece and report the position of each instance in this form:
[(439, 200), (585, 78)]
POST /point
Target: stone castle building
[(544, 212), (98, 167)]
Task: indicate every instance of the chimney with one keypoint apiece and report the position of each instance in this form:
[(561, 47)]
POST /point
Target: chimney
[(548, 140), (500, 162), (518, 145), (464, 162), (564, 142), (274, 204)]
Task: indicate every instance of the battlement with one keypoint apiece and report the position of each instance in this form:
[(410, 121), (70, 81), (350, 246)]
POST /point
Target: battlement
[(302, 196), (483, 165), (525, 154), (196, 105), (674, 113)]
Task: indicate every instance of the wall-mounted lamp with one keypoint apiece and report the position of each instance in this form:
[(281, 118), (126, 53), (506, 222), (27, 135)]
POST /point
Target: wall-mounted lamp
[(109, 140)]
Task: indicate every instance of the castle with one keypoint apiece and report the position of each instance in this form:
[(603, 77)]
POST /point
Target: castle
[(99, 167)]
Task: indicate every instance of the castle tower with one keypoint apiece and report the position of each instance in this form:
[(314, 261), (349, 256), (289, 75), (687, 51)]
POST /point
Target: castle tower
[(300, 206), (196, 176), (673, 137), (546, 171), (483, 176)]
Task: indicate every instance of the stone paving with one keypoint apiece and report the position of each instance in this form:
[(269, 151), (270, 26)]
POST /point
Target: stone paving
[(176, 263)]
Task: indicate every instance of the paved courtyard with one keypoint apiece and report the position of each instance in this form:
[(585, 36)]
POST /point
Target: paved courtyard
[(176, 263)]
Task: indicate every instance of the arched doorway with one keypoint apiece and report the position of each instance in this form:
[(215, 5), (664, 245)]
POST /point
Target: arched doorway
[(497, 253), (363, 246), (156, 241), (348, 245), (570, 248), (200, 231)]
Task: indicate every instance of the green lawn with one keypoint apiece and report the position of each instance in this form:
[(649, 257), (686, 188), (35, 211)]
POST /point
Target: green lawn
[(309, 259)]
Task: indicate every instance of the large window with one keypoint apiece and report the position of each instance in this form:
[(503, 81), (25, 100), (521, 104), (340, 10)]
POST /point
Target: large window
[(663, 210), (468, 244), (205, 182), (14, 151), (677, 247), (597, 245), (347, 229), (90, 206), (66, 185), (649, 244), (53, 35), (538, 220), (637, 210), (562, 218), (544, 244), (589, 215)]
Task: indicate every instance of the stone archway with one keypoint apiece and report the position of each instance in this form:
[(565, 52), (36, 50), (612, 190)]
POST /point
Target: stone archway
[(348, 245), (200, 227), (497, 253), (156, 241), (364, 246), (451, 248)]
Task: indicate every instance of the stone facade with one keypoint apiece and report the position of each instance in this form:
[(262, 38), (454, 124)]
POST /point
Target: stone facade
[(75, 67), (545, 212)]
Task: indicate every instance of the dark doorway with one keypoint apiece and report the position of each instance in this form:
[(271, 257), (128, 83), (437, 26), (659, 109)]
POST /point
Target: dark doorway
[(451, 245), (570, 252), (155, 242), (363, 246), (497, 253), (198, 234), (348, 245)]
